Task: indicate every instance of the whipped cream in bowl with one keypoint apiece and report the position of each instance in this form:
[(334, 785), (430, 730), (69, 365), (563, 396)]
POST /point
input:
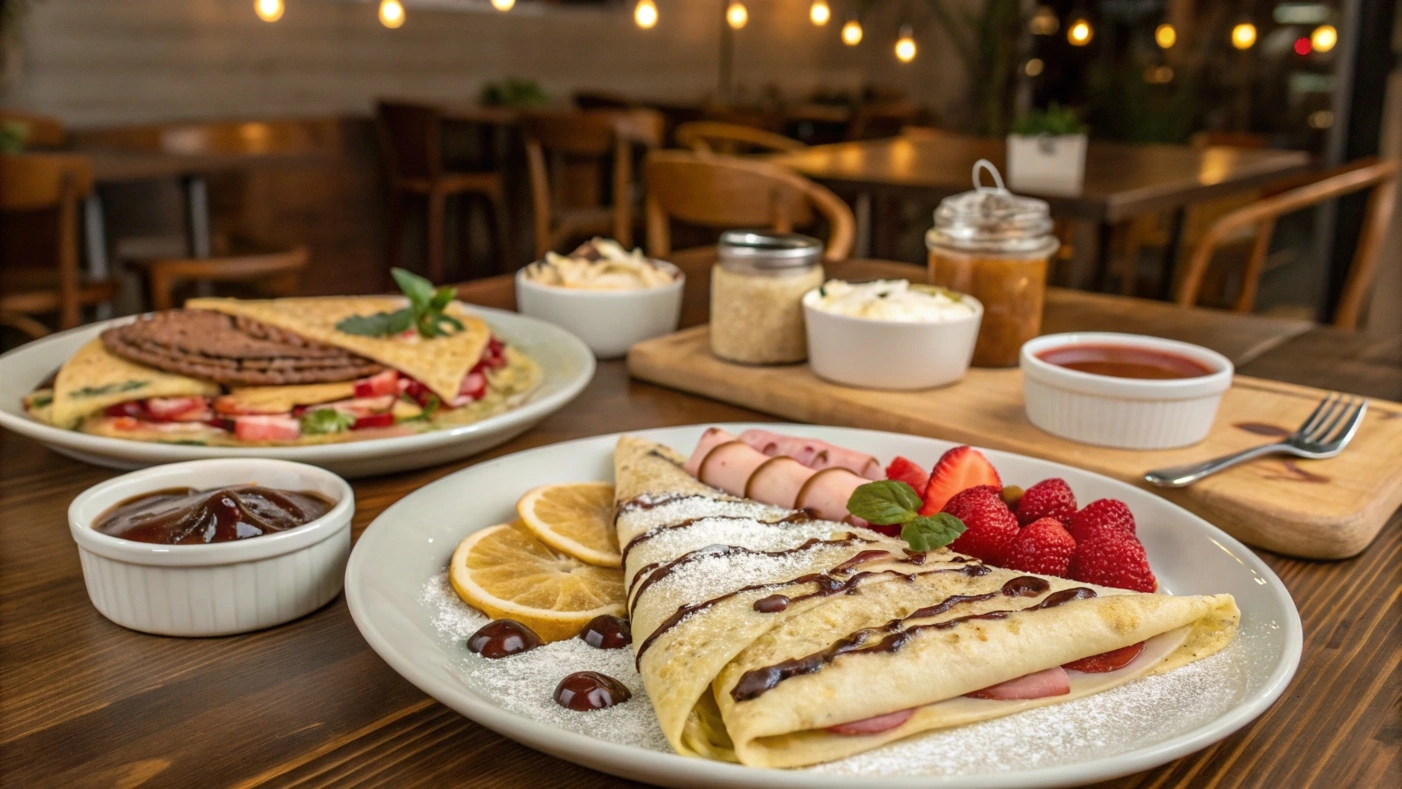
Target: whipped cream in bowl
[(891, 300)]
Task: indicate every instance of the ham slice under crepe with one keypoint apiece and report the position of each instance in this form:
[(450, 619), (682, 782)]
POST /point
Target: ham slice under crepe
[(770, 638)]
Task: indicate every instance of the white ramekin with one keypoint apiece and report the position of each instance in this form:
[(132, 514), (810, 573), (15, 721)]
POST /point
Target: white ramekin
[(609, 321), (1127, 413), (881, 354), (220, 588)]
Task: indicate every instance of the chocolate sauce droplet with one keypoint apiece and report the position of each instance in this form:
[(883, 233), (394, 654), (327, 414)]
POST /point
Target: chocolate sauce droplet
[(502, 638), (590, 690), (772, 604), (1025, 586), (606, 631)]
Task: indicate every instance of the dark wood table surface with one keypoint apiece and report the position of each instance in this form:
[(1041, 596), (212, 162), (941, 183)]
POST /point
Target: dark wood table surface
[(113, 166), (84, 702), (1122, 180)]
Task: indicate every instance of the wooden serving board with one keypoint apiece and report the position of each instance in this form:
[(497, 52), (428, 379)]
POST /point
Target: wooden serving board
[(1324, 509)]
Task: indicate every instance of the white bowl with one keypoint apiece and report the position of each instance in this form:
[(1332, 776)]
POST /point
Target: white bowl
[(881, 354), (219, 588), (609, 321), (1127, 413)]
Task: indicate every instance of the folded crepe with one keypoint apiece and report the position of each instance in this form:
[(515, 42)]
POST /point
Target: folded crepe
[(93, 379), (757, 629)]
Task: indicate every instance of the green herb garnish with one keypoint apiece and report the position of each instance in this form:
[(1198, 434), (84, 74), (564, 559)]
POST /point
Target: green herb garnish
[(889, 502), (424, 313), (98, 391), (41, 400), (326, 420), (429, 408)]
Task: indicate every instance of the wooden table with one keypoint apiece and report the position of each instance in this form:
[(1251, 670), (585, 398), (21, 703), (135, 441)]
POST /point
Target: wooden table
[(85, 703)]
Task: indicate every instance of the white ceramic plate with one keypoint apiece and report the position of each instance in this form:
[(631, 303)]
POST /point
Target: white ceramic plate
[(565, 360), (412, 540)]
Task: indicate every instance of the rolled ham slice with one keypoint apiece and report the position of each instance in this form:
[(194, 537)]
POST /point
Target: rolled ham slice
[(825, 494), (873, 725), (728, 466), (777, 481), (1037, 685), (814, 454), (712, 438)]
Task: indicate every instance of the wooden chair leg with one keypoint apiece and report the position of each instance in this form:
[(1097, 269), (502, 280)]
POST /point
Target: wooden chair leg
[(501, 224), (437, 208), (162, 287)]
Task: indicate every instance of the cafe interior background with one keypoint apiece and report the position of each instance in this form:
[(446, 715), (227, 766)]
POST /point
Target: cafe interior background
[(1315, 77)]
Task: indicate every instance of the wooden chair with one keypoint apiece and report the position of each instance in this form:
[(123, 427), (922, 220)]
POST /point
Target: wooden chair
[(273, 272), (40, 131), (31, 187), (566, 153), (732, 138), (728, 192), (1378, 175), (411, 141), (879, 120)]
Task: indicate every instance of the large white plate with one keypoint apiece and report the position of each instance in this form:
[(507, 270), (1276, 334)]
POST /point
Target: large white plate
[(413, 539), (565, 360)]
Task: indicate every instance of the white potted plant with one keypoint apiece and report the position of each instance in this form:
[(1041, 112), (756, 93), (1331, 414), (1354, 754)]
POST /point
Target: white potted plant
[(1047, 152)]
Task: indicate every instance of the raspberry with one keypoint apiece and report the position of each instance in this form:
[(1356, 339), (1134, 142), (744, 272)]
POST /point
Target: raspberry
[(1111, 557), (990, 525), (1050, 498), (1100, 515), (1044, 547)]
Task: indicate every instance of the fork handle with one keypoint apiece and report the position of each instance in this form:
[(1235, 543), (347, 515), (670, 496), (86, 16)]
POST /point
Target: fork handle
[(1179, 476)]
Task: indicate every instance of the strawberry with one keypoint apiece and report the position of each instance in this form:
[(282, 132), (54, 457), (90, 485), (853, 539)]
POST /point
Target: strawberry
[(1111, 557), (1050, 498), (958, 469), (990, 526), (1114, 660), (1100, 515), (909, 472), (1044, 547)]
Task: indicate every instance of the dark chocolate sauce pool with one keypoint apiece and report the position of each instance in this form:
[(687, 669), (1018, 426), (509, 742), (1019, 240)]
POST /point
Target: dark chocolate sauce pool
[(185, 516)]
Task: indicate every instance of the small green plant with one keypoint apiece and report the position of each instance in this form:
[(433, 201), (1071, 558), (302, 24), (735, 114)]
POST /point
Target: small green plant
[(515, 93), (12, 135), (1054, 121)]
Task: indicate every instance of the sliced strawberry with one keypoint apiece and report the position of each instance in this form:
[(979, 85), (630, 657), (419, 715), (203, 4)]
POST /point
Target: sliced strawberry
[(1113, 660), (474, 387), (384, 383), (125, 423), (362, 406), (909, 472), (267, 427), (134, 409), (373, 420), (874, 725), (958, 469), (1037, 685), (177, 409)]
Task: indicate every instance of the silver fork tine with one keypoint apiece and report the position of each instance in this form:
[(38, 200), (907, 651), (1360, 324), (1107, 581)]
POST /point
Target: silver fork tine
[(1321, 433), (1350, 425), (1315, 417)]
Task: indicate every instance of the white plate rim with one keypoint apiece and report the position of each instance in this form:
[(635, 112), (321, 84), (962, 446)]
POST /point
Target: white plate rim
[(638, 763)]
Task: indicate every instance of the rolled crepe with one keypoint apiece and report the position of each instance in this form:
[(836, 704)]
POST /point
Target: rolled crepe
[(767, 637)]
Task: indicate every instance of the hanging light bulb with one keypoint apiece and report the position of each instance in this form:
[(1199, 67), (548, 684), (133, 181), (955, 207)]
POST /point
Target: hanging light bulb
[(391, 14), (819, 12), (645, 14), (852, 33), (503, 5), (1080, 32), (1324, 38), (905, 45), (1043, 21), (1244, 35), (1165, 36), (268, 10), (737, 15)]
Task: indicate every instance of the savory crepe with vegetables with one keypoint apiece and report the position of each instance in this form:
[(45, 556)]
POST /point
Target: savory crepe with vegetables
[(771, 638), (226, 372)]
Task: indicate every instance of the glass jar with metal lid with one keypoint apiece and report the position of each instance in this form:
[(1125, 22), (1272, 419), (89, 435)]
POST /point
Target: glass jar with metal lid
[(756, 291), (994, 246)]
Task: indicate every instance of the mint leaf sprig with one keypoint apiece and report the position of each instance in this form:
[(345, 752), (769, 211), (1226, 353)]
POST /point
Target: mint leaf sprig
[(889, 502), (424, 313)]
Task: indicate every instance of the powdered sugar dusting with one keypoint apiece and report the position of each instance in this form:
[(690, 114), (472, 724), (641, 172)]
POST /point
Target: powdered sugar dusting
[(756, 535), (639, 520)]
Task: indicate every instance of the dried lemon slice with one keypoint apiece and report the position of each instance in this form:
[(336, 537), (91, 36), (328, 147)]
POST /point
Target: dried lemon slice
[(509, 574), (576, 519)]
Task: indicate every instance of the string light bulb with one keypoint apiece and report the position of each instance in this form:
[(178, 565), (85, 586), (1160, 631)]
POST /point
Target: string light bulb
[(819, 12), (737, 15), (1244, 35), (268, 10), (503, 5), (1044, 21), (852, 33), (645, 14), (391, 14), (905, 45), (1165, 36), (1324, 38), (1080, 32)]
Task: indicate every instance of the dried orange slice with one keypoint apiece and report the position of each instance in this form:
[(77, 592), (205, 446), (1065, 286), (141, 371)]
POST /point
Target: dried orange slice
[(575, 519), (509, 574)]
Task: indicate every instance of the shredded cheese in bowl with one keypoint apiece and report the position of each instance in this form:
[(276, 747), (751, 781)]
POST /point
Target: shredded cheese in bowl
[(890, 300), (600, 264)]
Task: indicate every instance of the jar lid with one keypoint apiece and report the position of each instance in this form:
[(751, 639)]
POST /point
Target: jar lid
[(765, 250), (991, 219)]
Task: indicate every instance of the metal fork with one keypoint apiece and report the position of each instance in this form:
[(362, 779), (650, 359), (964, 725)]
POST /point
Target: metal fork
[(1323, 435)]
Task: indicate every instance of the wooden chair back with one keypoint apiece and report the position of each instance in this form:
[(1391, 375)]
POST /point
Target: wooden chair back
[(277, 272), (1378, 175), (732, 138), (728, 192), (411, 140), (40, 131), (42, 182)]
